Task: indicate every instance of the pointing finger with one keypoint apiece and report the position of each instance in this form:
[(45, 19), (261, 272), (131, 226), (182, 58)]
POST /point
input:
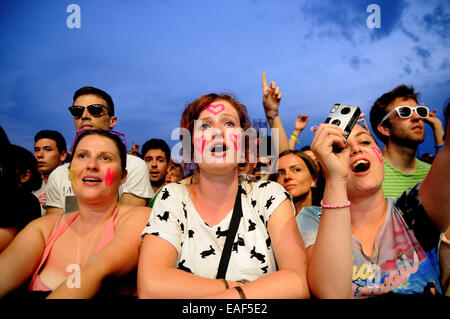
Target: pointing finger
[(264, 82)]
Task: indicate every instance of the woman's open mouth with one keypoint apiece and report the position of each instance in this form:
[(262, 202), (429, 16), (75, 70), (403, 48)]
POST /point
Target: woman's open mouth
[(91, 180), (219, 150), (360, 166)]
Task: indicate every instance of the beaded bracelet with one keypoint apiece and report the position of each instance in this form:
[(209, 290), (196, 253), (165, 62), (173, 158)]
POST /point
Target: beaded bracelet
[(272, 117), (241, 292), (295, 138), (334, 206)]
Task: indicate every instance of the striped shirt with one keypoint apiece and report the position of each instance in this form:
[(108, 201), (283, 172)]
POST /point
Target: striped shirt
[(396, 182)]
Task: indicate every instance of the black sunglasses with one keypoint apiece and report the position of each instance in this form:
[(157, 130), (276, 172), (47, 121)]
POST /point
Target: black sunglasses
[(93, 109)]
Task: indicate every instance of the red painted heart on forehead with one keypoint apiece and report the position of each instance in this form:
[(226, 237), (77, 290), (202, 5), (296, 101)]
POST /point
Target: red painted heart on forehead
[(215, 108)]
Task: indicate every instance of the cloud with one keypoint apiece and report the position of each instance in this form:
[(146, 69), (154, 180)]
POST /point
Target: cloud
[(407, 69), (356, 62), (347, 19), (438, 22), (409, 34), (425, 55)]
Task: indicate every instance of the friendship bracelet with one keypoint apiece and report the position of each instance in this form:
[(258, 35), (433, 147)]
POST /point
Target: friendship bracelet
[(334, 206), (295, 138), (241, 292), (225, 283), (272, 117)]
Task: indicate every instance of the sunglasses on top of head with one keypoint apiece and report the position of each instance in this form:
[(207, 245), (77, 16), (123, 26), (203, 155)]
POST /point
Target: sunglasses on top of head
[(406, 112), (119, 134), (93, 109)]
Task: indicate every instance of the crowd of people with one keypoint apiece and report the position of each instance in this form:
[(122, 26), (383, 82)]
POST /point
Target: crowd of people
[(340, 218)]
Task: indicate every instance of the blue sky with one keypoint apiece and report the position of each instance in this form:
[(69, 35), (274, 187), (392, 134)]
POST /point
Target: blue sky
[(154, 57)]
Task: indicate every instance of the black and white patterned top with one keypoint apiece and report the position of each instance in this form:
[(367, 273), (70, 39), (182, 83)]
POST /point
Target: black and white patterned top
[(199, 246)]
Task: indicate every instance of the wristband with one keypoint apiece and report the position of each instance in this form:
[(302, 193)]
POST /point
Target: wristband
[(438, 146), (272, 117), (241, 292), (225, 283), (335, 206), (295, 138)]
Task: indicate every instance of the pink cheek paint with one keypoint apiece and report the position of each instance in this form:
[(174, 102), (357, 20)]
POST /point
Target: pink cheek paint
[(236, 139), (215, 108), (109, 177), (377, 152), (199, 143)]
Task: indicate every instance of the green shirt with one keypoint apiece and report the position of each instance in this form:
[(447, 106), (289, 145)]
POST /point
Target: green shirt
[(396, 182)]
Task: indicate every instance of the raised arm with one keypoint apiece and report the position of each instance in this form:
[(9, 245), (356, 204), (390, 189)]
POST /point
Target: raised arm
[(436, 126), (330, 258), (116, 259), (300, 124), (271, 103), (435, 188)]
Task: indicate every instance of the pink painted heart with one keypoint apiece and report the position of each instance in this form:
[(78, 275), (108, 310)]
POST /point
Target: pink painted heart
[(199, 143), (377, 152), (236, 139), (215, 108)]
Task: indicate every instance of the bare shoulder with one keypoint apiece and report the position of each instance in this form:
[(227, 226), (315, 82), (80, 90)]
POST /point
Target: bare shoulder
[(44, 225), (132, 214)]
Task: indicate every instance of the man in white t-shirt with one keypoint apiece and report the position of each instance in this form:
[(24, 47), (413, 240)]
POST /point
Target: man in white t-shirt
[(50, 151), (94, 109)]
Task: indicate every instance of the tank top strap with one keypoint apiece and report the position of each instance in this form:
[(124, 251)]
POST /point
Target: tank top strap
[(109, 231), (57, 231)]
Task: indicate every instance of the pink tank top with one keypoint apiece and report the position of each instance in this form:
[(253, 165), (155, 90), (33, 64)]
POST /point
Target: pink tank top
[(108, 233)]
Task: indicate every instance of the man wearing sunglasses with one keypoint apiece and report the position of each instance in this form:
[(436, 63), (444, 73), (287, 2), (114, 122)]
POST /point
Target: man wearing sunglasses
[(94, 109), (398, 121)]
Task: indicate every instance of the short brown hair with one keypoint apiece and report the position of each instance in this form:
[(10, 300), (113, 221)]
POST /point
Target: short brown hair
[(377, 111)]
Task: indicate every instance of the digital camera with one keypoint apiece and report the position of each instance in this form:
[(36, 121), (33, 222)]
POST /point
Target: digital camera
[(344, 116)]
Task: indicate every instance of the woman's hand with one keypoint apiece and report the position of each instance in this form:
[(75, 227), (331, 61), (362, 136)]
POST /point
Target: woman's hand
[(300, 123), (335, 164), (271, 97)]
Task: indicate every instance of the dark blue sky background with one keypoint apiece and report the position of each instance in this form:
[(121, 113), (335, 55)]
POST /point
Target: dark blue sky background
[(156, 56)]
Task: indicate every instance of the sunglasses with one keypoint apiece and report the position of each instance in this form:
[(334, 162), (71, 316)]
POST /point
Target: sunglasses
[(119, 134), (406, 112), (93, 109)]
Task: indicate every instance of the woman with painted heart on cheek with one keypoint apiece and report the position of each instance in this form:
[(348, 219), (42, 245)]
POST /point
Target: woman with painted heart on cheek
[(225, 238), (93, 250), (360, 244)]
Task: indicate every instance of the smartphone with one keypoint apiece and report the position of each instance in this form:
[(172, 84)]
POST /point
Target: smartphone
[(344, 116)]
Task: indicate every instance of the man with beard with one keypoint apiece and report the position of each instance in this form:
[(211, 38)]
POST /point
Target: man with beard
[(398, 121), (156, 154)]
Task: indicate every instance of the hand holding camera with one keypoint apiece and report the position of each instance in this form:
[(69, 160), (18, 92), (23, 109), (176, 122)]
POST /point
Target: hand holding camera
[(344, 116)]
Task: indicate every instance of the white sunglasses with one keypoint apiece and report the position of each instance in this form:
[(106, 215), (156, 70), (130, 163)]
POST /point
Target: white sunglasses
[(406, 111)]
